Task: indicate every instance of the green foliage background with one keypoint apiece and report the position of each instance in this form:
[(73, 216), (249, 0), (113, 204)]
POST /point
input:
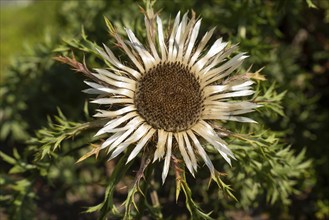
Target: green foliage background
[(289, 38)]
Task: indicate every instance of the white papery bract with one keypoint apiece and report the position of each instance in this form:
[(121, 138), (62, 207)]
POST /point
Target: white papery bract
[(170, 94)]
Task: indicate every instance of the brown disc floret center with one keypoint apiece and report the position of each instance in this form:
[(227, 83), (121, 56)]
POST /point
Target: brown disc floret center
[(169, 97)]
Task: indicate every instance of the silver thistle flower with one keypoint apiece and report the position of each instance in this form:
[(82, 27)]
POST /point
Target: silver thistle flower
[(172, 92)]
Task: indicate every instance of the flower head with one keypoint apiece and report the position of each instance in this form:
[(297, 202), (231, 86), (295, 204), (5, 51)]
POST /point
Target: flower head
[(170, 93)]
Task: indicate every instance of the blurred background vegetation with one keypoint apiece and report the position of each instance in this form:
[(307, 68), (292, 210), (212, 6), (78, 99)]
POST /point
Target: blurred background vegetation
[(290, 38)]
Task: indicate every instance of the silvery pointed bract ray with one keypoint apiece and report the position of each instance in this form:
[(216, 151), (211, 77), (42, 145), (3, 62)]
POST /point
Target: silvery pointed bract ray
[(171, 91)]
